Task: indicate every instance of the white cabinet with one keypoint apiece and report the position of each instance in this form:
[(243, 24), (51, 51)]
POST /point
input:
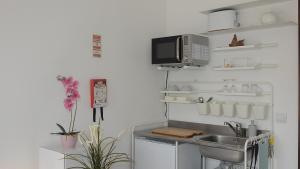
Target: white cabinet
[(151, 154), (154, 155), (53, 158)]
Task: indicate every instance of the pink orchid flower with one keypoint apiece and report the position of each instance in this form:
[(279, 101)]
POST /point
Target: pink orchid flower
[(68, 103), (72, 93), (67, 81), (75, 84)]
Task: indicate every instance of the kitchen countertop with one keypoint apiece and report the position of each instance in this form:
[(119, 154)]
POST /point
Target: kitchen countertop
[(208, 129)]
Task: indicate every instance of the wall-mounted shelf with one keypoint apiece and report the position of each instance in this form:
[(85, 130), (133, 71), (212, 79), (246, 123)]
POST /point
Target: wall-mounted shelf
[(237, 48), (178, 92), (244, 5), (245, 67), (187, 92), (235, 68), (174, 68), (229, 99), (176, 101), (216, 92), (250, 28), (238, 94)]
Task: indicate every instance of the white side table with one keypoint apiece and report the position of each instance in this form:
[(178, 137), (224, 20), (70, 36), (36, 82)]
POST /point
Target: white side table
[(52, 157)]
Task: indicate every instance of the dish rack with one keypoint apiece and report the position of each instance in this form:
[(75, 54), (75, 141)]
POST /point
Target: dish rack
[(257, 139)]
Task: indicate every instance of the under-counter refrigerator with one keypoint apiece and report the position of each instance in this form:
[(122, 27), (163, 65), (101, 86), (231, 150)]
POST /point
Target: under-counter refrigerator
[(158, 154)]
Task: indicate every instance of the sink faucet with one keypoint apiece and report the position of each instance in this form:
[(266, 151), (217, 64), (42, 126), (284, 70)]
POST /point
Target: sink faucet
[(237, 129)]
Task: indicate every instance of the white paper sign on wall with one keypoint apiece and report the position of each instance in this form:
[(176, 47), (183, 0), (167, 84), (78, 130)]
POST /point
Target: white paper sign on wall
[(97, 46)]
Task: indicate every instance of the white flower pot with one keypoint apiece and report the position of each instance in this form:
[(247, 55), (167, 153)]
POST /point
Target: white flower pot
[(69, 141)]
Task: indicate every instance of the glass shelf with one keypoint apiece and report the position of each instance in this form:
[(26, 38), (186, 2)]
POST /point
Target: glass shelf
[(237, 48), (250, 28), (176, 101), (259, 66)]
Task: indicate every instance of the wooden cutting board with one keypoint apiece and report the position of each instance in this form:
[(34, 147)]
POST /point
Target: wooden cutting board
[(177, 132)]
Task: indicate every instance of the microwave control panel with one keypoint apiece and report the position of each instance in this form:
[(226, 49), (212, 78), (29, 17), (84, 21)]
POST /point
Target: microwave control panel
[(195, 47)]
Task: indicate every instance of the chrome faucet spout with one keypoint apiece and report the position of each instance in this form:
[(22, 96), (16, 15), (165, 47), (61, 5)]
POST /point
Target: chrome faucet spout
[(237, 129), (229, 125)]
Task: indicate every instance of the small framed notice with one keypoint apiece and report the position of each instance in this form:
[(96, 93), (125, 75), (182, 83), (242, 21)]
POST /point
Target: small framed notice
[(97, 45)]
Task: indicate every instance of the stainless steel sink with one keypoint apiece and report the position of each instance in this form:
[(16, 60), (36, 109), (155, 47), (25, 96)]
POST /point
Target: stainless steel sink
[(225, 140), (225, 148)]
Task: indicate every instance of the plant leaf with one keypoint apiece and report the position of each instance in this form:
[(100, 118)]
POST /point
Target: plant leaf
[(74, 132), (61, 128), (58, 133)]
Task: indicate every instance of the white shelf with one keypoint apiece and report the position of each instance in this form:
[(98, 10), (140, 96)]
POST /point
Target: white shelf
[(175, 101), (177, 68), (187, 92), (244, 5), (237, 48), (235, 68), (178, 92), (238, 94), (250, 28), (246, 67)]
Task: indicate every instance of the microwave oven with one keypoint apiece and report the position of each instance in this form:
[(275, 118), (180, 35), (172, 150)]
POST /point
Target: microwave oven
[(181, 50)]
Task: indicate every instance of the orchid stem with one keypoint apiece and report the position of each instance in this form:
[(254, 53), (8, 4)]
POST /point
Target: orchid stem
[(74, 115), (70, 122)]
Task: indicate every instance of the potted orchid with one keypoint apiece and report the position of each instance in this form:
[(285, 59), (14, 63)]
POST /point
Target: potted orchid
[(69, 136)]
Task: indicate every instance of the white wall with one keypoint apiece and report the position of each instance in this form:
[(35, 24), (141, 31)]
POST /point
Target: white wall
[(41, 39), (183, 17)]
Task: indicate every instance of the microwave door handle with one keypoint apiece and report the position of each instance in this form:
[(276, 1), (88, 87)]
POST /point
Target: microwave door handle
[(177, 49)]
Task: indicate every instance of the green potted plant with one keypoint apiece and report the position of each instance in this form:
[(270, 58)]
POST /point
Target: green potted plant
[(69, 136), (98, 152)]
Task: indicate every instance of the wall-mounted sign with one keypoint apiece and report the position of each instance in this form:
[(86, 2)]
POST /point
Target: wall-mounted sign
[(98, 90), (97, 46)]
